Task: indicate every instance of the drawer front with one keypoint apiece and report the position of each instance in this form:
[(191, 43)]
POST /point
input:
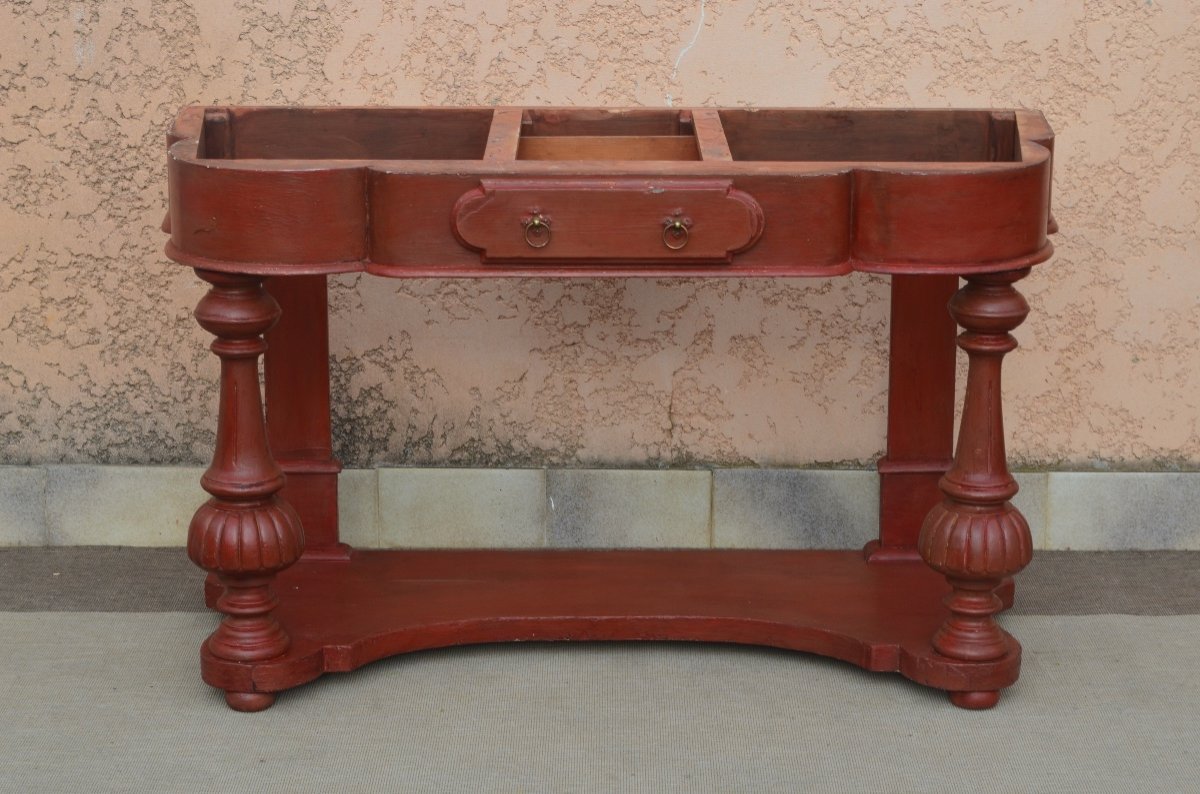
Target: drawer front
[(685, 221)]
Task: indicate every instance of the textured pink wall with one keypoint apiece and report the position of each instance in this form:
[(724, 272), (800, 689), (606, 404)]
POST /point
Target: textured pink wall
[(101, 361)]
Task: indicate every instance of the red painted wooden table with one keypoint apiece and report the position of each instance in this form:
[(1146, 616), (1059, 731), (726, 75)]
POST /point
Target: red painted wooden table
[(266, 202)]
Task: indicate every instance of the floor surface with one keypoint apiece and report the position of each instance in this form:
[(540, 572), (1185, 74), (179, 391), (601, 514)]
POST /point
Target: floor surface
[(99, 691)]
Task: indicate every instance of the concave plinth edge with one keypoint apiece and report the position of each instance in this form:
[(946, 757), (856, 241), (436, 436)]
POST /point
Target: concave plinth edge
[(344, 614)]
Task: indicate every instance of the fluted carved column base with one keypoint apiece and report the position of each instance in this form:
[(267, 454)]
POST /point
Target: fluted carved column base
[(975, 537), (245, 534), (975, 549), (244, 546)]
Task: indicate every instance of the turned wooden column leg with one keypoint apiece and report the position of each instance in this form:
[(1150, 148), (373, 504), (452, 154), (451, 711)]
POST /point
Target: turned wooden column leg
[(975, 537), (245, 533)]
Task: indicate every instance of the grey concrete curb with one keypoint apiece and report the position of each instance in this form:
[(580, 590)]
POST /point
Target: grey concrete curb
[(72, 505)]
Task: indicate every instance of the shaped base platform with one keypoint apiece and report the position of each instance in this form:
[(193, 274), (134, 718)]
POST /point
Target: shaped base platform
[(342, 614)]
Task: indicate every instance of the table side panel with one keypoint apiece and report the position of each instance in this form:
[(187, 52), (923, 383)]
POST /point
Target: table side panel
[(412, 216), (903, 217), (806, 229), (267, 216)]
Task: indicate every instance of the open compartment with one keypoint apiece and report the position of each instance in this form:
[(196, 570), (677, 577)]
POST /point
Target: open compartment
[(345, 133), (600, 134), (871, 135)]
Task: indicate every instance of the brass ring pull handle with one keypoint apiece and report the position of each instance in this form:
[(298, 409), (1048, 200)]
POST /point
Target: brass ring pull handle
[(537, 231), (675, 232)]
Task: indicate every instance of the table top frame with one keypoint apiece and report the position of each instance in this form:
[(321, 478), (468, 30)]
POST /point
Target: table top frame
[(320, 213)]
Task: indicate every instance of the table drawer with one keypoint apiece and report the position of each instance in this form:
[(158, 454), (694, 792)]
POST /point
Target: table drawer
[(685, 221)]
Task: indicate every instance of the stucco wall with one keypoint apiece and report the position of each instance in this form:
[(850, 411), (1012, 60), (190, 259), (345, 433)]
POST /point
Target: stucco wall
[(101, 361)]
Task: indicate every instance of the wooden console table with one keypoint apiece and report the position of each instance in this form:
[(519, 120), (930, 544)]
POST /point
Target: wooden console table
[(266, 202)]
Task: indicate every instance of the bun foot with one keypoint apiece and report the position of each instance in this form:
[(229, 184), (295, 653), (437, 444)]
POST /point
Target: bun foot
[(249, 701), (975, 701)]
